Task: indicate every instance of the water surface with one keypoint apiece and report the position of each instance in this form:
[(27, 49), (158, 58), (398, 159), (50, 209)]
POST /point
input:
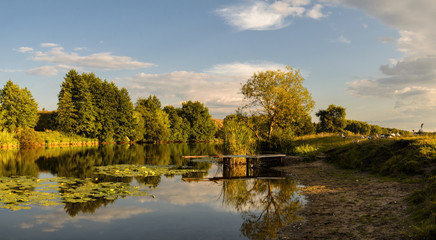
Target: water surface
[(213, 202)]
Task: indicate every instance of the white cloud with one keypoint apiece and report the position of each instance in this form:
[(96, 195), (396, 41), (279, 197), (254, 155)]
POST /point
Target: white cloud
[(315, 12), (217, 87), (411, 84), (263, 15), (43, 71), (47, 70), (49, 45), (57, 219), (24, 49), (60, 58)]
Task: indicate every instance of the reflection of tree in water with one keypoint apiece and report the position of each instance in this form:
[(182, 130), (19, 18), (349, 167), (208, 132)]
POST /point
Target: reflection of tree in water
[(266, 205), (86, 207), (16, 162)]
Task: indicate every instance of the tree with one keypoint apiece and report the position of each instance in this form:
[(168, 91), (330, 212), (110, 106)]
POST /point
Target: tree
[(76, 112), (180, 127), (156, 124), (202, 126), (94, 108), (332, 119), (18, 108), (279, 96)]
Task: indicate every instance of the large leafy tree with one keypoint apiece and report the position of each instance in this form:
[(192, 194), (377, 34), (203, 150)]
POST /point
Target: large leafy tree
[(202, 126), (180, 127), (18, 108), (332, 119), (279, 97), (154, 122)]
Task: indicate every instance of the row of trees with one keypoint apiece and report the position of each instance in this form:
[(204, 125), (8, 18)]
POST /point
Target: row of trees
[(94, 108), (333, 120)]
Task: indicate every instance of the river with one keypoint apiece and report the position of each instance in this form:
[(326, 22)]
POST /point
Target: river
[(146, 191)]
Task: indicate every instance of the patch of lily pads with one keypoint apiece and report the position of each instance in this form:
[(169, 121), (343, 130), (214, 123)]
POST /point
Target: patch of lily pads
[(23, 192), (125, 170)]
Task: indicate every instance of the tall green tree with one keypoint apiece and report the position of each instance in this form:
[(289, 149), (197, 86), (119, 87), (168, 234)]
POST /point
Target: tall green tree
[(91, 107), (332, 119), (18, 108), (76, 112), (201, 124), (280, 97)]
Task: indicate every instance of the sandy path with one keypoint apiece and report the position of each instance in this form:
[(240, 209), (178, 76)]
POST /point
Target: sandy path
[(346, 204)]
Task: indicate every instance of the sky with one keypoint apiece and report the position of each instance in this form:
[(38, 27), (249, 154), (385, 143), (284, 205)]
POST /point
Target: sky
[(376, 58)]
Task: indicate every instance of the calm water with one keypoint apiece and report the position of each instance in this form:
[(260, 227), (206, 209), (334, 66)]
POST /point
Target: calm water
[(217, 203)]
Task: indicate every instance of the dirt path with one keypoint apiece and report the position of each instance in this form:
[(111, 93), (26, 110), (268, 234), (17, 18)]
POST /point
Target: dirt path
[(345, 204)]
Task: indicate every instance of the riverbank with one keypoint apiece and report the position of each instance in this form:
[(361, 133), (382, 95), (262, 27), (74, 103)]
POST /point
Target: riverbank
[(348, 204)]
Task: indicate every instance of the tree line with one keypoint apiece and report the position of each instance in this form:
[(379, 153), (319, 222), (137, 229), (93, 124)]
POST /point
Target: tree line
[(94, 108), (278, 109)]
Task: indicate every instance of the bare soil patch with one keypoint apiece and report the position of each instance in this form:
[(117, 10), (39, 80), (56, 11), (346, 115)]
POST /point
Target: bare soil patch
[(347, 204)]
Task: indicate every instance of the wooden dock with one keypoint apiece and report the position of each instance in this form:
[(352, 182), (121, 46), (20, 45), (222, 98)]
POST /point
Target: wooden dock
[(238, 156)]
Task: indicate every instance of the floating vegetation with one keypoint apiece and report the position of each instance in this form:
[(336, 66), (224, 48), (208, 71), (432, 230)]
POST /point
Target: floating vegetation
[(124, 170), (22, 192)]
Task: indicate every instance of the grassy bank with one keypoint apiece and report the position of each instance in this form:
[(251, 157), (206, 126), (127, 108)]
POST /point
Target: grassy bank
[(410, 159), (31, 138)]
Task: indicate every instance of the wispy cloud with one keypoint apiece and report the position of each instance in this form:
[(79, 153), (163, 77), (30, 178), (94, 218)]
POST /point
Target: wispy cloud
[(315, 12), (24, 49), (262, 15), (49, 45), (60, 58), (341, 39)]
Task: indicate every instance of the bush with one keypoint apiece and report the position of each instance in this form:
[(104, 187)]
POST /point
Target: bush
[(29, 137)]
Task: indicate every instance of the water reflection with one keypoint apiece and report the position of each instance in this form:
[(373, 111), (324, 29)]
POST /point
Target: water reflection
[(266, 205), (264, 202)]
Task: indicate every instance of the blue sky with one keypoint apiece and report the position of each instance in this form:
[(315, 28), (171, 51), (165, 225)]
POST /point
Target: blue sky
[(376, 58)]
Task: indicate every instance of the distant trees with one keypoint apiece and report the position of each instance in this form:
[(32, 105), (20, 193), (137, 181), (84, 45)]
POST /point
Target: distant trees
[(280, 98), (18, 109), (332, 119)]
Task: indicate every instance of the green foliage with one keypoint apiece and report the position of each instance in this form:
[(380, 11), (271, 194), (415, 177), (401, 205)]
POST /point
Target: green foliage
[(180, 127), (93, 108), (8, 139), (239, 138), (332, 119), (155, 122), (29, 137), (423, 204), (202, 127), (18, 108), (306, 151), (280, 97)]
